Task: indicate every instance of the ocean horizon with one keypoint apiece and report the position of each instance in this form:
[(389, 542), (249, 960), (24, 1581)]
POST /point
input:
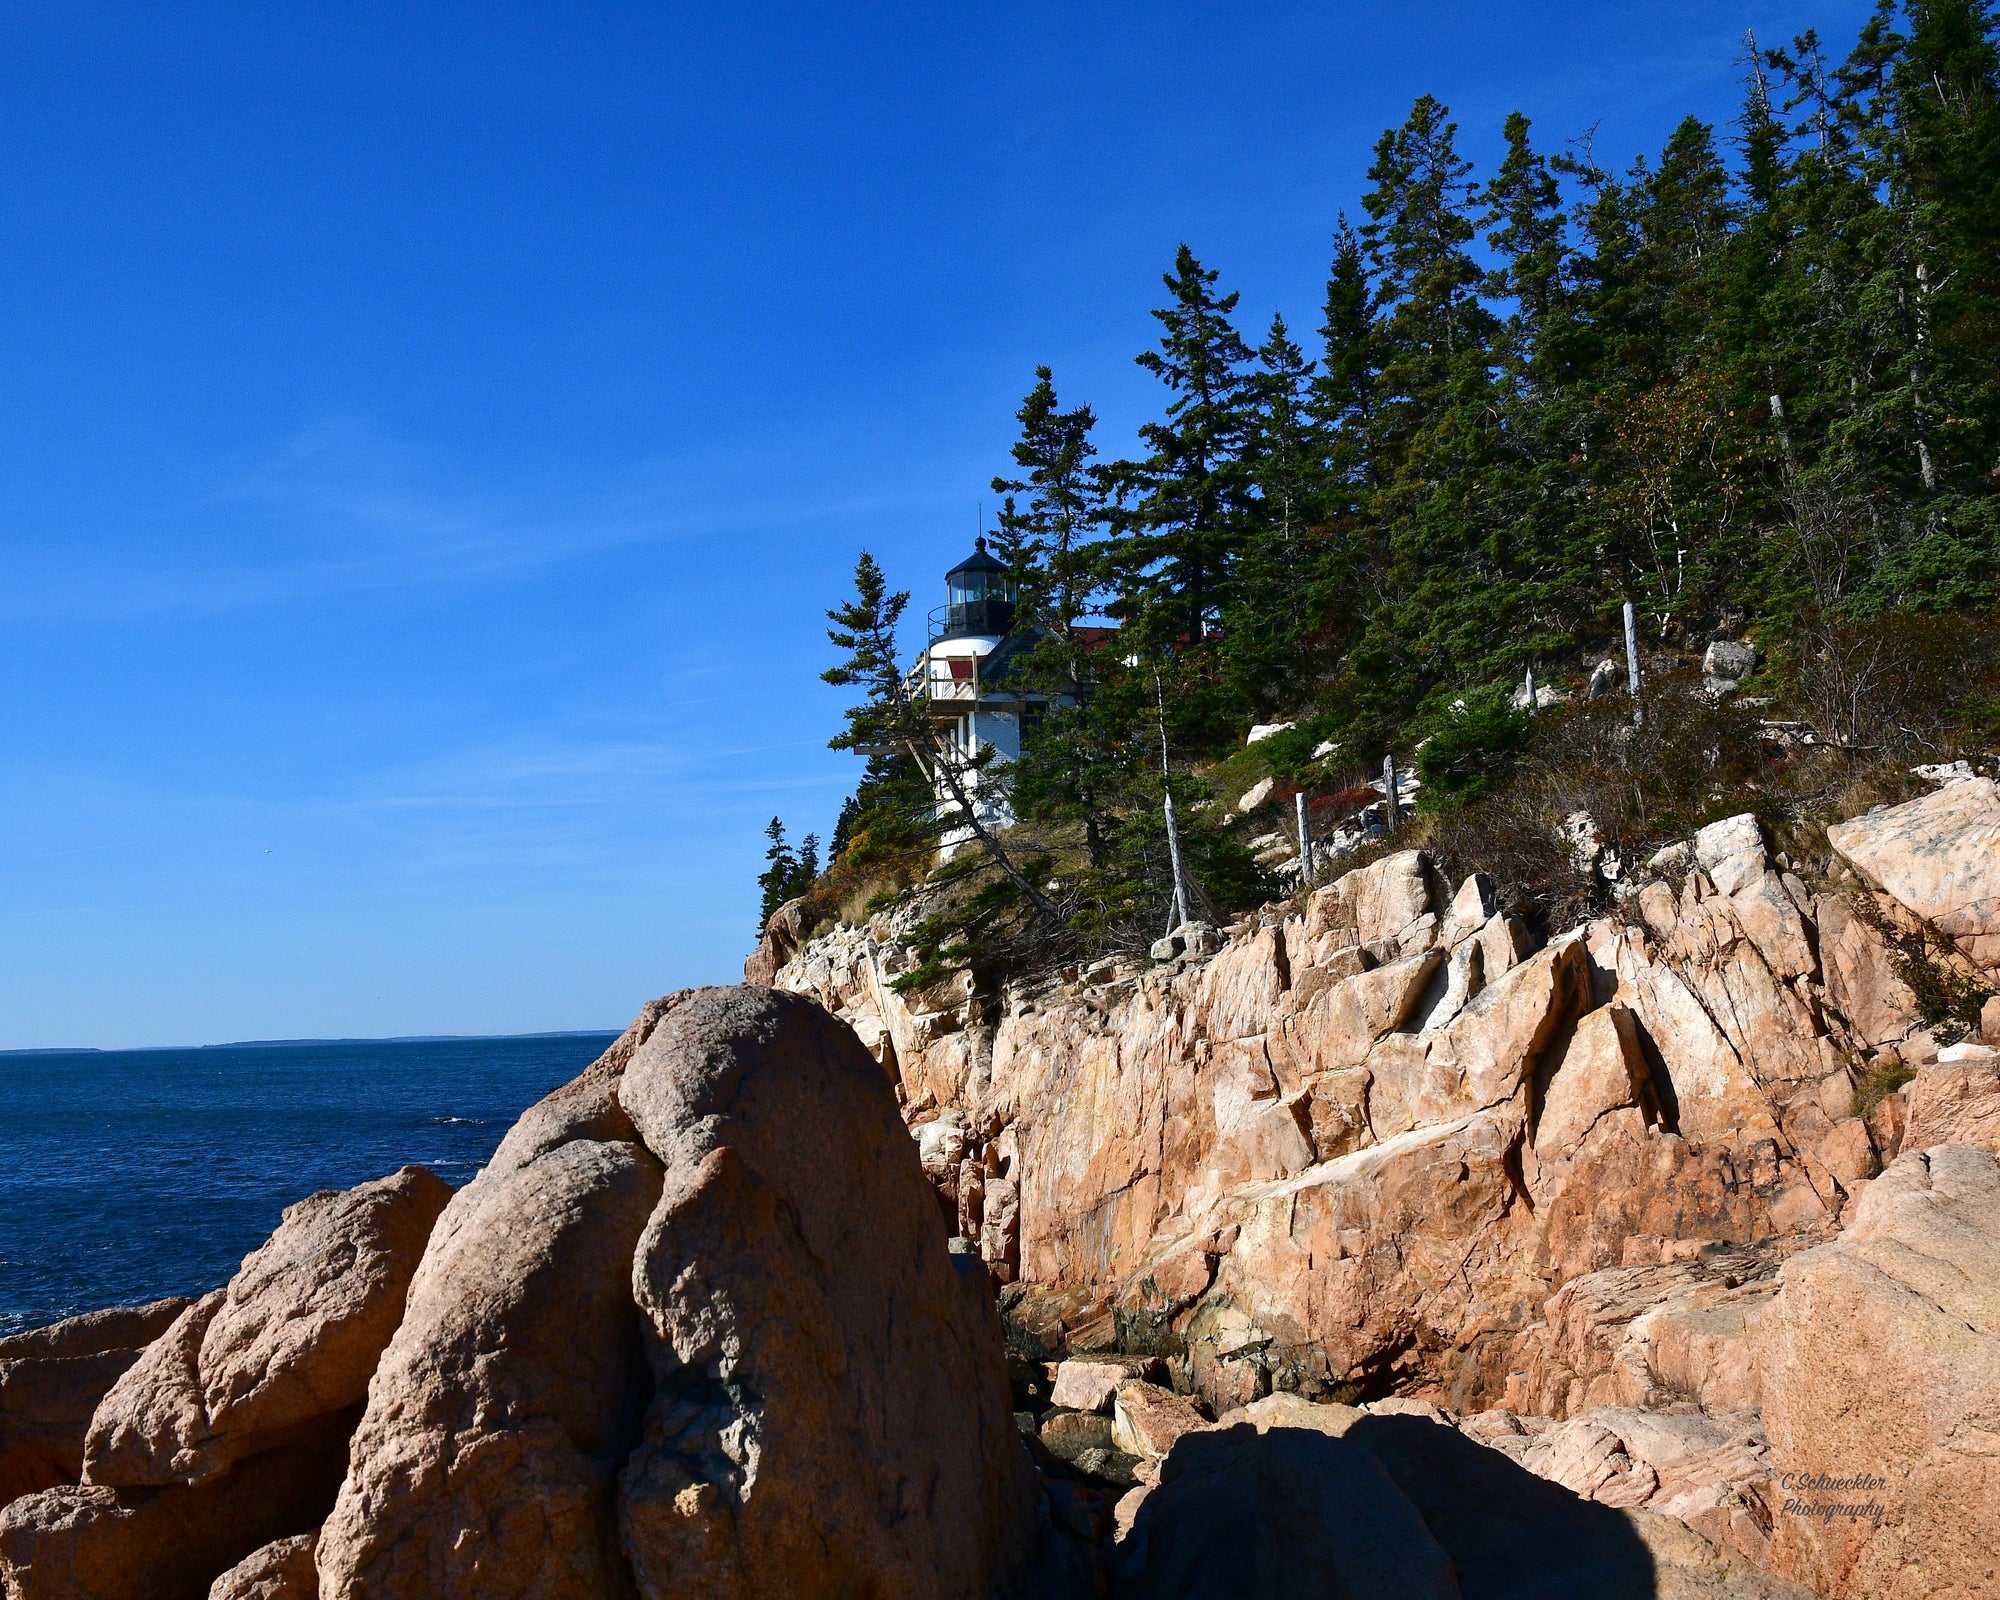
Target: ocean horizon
[(126, 1175)]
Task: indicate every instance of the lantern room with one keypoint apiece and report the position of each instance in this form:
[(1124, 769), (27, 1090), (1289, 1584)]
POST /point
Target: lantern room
[(980, 597)]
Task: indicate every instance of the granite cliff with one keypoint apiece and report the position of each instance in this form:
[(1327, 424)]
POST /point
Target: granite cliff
[(1371, 1246)]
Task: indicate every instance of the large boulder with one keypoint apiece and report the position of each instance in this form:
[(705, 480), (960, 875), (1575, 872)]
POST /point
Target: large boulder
[(497, 1418), (284, 1569), (830, 1415), (587, 1106), (1956, 1100), (51, 1380), (1880, 1363), (95, 1542), (1938, 858), (291, 1341), (1278, 1512)]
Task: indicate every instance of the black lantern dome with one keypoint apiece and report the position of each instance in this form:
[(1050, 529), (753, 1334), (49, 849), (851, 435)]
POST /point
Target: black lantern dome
[(981, 596)]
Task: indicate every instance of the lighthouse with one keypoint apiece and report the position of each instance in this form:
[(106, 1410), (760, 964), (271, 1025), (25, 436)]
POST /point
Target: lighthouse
[(967, 679)]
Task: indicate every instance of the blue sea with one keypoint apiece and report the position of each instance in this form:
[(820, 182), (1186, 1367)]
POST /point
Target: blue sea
[(128, 1175)]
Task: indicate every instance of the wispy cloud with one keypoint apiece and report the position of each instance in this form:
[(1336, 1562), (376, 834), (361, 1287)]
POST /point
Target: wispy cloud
[(340, 510)]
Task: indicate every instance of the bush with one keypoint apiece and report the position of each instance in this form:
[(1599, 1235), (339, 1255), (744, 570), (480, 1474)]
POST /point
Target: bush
[(1470, 750), (1289, 755), (1897, 681)]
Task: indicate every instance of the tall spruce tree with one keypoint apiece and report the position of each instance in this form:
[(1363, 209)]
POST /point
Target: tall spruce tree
[(1048, 535), (1450, 598), (1183, 512)]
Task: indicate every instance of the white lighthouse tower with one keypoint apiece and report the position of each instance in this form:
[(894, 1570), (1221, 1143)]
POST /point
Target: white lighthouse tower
[(964, 678)]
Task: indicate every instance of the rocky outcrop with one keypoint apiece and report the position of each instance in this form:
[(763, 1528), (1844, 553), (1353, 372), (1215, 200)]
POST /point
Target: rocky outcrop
[(291, 1341), (783, 936), (1378, 1142), (163, 1543), (281, 1570), (1363, 1144), (51, 1380), (830, 1413), (1938, 859), (517, 1368), (1880, 1362)]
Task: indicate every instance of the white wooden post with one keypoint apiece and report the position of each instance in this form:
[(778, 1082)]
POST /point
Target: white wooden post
[(1174, 855), (1173, 832), (1528, 684), (1632, 660)]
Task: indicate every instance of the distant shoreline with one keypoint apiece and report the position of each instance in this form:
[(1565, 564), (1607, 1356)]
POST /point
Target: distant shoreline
[(293, 1044)]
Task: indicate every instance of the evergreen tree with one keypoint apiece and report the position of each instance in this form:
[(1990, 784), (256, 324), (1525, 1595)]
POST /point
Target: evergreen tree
[(1277, 600), (780, 873), (1449, 597), (1344, 389), (1048, 539), (1183, 512)]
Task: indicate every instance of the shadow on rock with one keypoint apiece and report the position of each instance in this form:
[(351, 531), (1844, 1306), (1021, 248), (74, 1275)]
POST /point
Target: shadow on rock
[(1284, 1515), (1509, 1534)]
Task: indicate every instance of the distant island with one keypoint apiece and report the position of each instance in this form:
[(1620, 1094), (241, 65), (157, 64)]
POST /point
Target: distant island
[(286, 1044), (58, 1050), (409, 1038)]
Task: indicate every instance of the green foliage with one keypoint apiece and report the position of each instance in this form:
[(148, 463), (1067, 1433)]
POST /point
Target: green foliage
[(1289, 755), (1471, 748), (787, 873), (1745, 382)]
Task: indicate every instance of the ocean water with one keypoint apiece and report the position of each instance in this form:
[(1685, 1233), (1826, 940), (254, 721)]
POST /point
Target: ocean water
[(128, 1175)]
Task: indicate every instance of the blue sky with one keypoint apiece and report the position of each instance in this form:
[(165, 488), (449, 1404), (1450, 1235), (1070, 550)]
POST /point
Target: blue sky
[(430, 434)]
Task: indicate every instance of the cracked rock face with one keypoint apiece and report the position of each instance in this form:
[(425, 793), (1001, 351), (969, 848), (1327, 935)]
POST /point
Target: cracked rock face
[(830, 1414), (485, 1461), (293, 1339), (1880, 1360)]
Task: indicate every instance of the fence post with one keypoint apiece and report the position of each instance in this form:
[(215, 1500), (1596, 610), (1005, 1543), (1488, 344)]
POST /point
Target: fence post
[(1173, 832), (1174, 855), (1632, 661)]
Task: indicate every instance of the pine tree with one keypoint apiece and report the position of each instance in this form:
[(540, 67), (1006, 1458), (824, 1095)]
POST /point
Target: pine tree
[(1450, 599), (1046, 538), (1067, 770), (1344, 389), (780, 873), (1184, 511)]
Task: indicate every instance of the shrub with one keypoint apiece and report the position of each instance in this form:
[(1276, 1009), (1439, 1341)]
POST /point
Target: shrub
[(1470, 750)]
